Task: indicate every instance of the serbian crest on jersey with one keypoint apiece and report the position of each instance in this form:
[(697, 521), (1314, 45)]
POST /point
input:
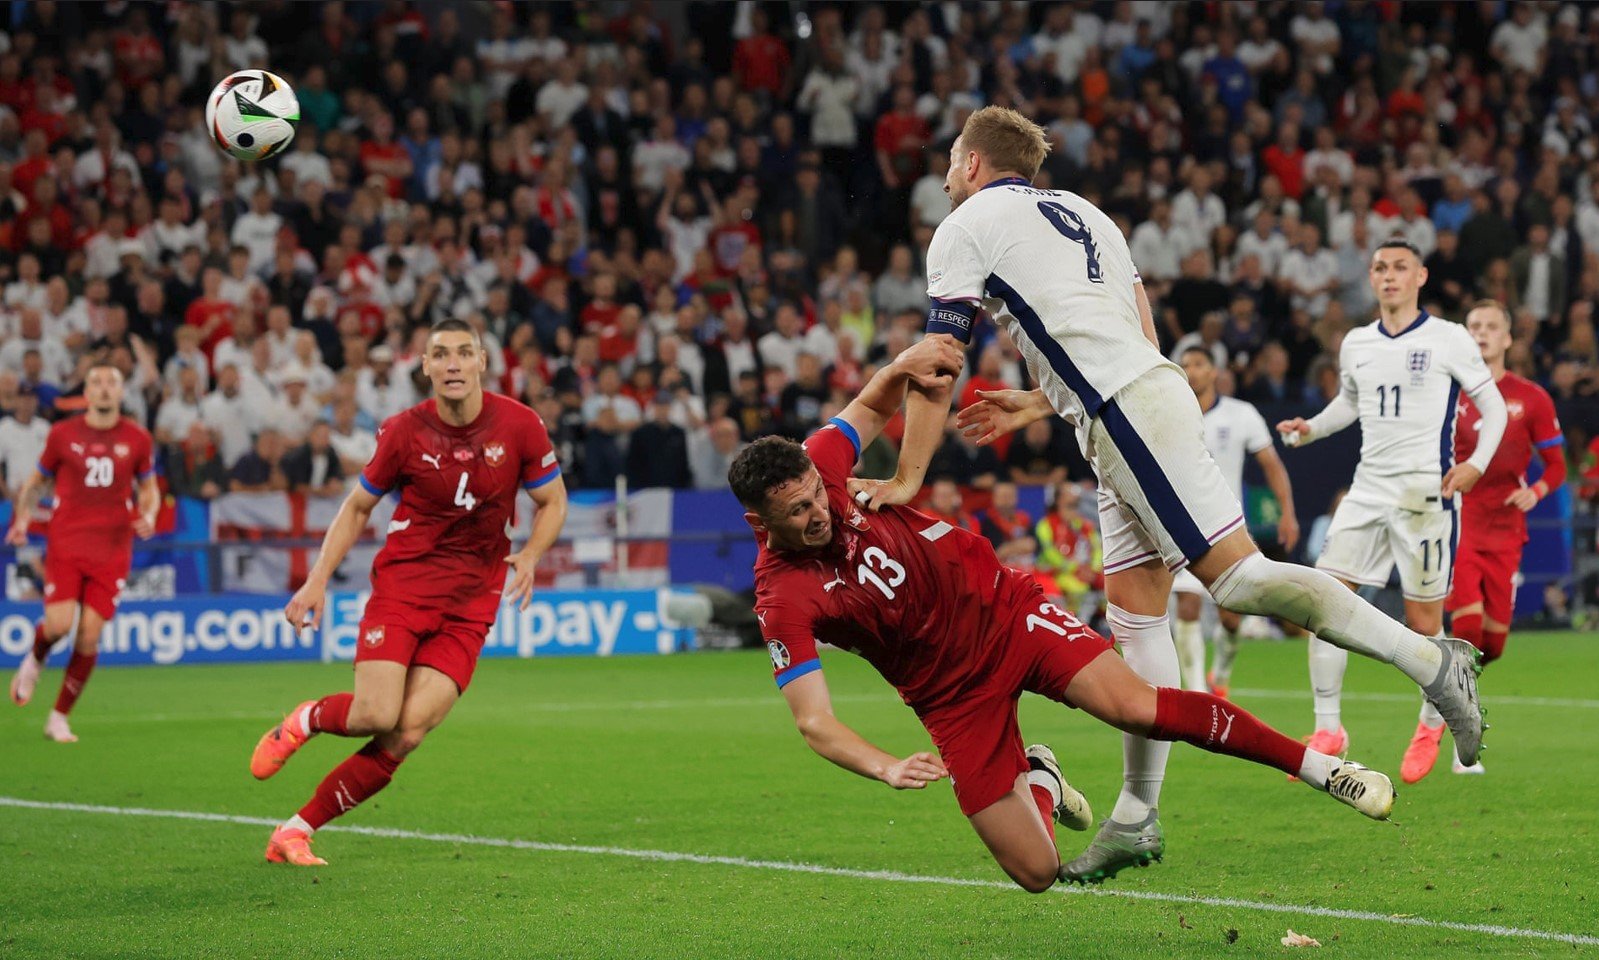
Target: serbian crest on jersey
[(494, 453), (1515, 409), (1418, 362), (779, 654), (373, 637), (121, 450)]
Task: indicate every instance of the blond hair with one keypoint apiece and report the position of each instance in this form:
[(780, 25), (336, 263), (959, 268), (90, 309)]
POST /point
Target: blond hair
[(1006, 139), (1491, 304)]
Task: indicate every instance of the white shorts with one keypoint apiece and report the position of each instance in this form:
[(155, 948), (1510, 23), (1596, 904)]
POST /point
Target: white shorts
[(1366, 541), (1160, 491)]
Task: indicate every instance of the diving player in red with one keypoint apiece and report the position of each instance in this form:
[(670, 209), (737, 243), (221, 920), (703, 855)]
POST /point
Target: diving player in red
[(960, 636), (94, 460), (458, 461), (1493, 516)]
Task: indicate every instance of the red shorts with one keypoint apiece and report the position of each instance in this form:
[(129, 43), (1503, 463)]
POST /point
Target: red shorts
[(72, 576), (1485, 573), (399, 633), (977, 736)]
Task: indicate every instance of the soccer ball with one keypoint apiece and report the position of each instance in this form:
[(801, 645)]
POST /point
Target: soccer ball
[(252, 114)]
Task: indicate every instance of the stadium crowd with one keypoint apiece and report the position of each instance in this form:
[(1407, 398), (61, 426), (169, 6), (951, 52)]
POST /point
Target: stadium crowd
[(682, 226)]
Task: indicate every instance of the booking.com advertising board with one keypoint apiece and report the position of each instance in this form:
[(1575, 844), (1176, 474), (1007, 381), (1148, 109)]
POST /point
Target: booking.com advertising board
[(240, 628)]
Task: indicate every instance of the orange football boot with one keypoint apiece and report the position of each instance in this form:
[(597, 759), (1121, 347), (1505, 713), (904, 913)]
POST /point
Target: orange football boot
[(277, 745), (293, 846), (1421, 754)]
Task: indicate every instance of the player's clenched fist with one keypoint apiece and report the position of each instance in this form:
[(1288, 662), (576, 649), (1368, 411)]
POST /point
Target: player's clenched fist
[(876, 494), (1294, 431), (933, 362), (915, 772)]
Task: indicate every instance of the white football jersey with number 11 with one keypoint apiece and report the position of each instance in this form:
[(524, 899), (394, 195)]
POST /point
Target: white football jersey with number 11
[(1406, 387)]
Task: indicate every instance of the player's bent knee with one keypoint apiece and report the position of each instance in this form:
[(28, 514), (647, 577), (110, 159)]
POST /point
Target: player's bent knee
[(1037, 882), (401, 743), (373, 718)]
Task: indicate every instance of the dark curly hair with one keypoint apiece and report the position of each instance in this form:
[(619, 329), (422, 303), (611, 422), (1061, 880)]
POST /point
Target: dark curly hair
[(767, 463)]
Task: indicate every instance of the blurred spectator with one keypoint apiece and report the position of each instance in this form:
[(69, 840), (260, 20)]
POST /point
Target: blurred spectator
[(944, 502), (963, 461), (1036, 457), (609, 416), (314, 466), (193, 467), (1069, 558), (657, 454), (1008, 527), (22, 436), (260, 469), (1539, 275), (711, 450)]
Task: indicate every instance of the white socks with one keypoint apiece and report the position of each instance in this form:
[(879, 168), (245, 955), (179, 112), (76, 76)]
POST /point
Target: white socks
[(1045, 779), (1226, 652), (296, 823), (1327, 666), (1316, 768), (1316, 601), (1146, 644), (1190, 640)]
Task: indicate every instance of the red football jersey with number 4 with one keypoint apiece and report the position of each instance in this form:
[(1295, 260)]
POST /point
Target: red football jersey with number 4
[(448, 539), (94, 473), (910, 593)]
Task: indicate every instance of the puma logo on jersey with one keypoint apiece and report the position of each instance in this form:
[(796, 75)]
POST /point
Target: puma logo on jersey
[(828, 587), (77, 448), (432, 458)]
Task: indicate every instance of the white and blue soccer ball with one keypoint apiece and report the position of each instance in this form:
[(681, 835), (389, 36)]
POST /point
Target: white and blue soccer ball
[(252, 114)]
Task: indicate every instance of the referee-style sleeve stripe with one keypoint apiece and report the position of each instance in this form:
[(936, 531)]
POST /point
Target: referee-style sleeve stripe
[(1553, 441), (537, 482), (796, 671), (371, 488), (848, 430)]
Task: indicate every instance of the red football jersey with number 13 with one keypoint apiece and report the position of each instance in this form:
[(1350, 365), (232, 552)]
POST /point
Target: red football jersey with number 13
[(448, 539), (94, 473)]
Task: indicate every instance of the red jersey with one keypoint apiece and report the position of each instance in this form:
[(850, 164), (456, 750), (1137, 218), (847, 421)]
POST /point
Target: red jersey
[(1532, 425), (447, 541), (911, 594), (94, 472)]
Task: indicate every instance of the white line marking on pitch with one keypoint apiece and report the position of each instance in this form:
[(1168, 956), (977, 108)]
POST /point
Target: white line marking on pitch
[(718, 702), (892, 876)]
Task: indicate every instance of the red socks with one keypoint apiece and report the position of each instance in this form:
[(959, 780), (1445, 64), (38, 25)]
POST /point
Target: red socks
[(78, 670), (1046, 807), (1493, 645), (41, 643), (331, 714), (1211, 723), (1468, 627), (364, 773)]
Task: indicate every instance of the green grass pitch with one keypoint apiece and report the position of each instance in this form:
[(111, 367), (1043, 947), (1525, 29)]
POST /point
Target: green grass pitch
[(697, 755)]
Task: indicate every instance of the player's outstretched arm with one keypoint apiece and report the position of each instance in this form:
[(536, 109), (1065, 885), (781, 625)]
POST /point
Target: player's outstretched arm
[(1000, 412), (550, 500), (824, 733), (1277, 480), (22, 508), (929, 368), (346, 528), (1339, 413)]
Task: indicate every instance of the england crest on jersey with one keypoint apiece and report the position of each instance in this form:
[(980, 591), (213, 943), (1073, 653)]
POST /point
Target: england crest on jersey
[(1418, 362)]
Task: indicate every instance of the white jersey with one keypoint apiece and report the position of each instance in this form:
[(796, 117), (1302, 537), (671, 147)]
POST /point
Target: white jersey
[(1234, 431), (1056, 271), (1405, 388)]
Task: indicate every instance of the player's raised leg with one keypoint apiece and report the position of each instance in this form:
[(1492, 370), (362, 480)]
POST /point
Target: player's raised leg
[(373, 708), (56, 623), (1243, 579), (1225, 654), (429, 696), (85, 653)]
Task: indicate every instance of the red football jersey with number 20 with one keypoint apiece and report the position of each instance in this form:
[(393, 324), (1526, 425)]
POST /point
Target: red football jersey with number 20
[(94, 473), (448, 539), (911, 594)]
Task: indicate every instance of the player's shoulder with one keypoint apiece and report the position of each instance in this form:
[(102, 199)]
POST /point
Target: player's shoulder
[(1364, 335), (132, 428), (403, 423), (788, 582)]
